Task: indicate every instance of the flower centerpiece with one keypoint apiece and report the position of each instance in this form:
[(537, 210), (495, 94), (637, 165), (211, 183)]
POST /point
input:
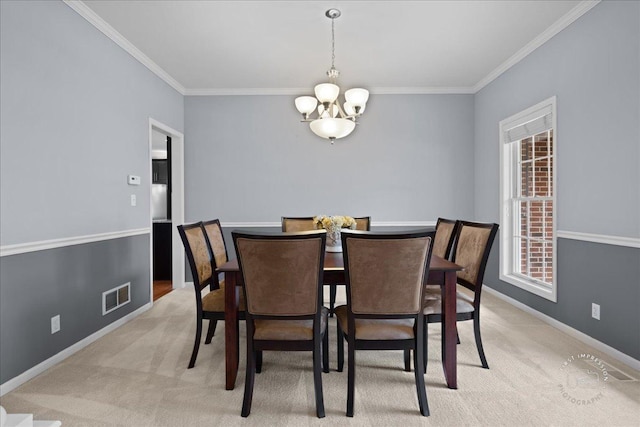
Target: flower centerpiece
[(333, 225)]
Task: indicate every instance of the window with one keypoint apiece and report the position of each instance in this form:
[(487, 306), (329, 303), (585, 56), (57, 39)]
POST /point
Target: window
[(528, 238)]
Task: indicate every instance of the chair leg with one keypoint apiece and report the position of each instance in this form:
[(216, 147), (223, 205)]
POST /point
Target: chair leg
[(476, 331), (325, 352), (351, 377), (419, 372), (332, 298), (258, 361), (249, 379), (425, 346), (407, 360), (211, 330), (340, 348), (317, 380), (196, 344)]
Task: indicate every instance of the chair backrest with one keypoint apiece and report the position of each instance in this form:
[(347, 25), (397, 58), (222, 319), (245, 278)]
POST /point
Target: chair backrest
[(198, 254), (385, 271), (213, 231), (471, 251), (363, 223), (446, 230), (297, 223), (282, 273)]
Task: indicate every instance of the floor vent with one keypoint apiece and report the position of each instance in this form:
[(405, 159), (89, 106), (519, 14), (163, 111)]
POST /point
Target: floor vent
[(611, 371), (116, 298)]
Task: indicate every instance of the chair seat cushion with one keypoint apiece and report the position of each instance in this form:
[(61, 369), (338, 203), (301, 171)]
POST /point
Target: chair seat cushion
[(214, 300), (376, 329), (433, 303), (288, 330)]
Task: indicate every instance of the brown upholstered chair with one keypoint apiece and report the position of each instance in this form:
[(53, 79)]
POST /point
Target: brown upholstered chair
[(445, 236), (282, 279), (203, 265), (305, 223), (384, 300), (471, 250), (298, 223)]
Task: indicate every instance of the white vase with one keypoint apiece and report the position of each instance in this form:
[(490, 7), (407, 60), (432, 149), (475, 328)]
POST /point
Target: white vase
[(334, 241)]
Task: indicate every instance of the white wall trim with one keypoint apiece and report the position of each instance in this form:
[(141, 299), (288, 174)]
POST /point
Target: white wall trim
[(59, 357), (22, 248), (231, 224), (574, 333), (87, 13), (631, 242), (301, 91), (562, 23)]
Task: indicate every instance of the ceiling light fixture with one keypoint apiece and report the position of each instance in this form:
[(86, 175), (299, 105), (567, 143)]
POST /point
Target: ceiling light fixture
[(333, 122)]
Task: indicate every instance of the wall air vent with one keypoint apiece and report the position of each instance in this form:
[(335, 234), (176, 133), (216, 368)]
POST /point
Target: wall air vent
[(116, 298)]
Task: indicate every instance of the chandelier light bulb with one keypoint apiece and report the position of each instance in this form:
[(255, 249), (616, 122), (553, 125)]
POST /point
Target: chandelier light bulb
[(331, 128), (350, 110), (306, 104), (357, 97), (327, 92)]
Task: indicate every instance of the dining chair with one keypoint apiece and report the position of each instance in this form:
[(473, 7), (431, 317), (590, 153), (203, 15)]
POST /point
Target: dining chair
[(297, 223), (445, 236), (471, 250), (203, 265), (282, 277), (306, 223), (363, 223), (384, 276)]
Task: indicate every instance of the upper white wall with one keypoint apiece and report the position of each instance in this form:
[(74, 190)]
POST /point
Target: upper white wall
[(593, 67), (74, 117), (250, 159)]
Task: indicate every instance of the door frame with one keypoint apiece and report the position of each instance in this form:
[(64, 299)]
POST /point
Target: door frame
[(177, 204)]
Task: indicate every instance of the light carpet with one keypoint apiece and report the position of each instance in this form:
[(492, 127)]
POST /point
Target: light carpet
[(137, 376)]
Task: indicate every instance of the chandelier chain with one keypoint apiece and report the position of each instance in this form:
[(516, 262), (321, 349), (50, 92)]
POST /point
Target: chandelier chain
[(333, 43)]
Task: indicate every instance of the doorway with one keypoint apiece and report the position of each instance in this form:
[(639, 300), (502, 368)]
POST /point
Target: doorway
[(166, 148), (161, 212)]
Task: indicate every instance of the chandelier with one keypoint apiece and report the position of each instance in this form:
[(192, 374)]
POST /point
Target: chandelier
[(332, 121)]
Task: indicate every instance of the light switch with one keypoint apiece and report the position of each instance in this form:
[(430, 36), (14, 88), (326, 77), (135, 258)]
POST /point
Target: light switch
[(134, 200)]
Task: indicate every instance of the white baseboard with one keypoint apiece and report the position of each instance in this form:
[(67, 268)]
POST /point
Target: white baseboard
[(580, 336), (57, 358)]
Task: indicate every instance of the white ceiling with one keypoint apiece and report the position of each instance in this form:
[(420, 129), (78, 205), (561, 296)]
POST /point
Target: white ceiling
[(235, 47)]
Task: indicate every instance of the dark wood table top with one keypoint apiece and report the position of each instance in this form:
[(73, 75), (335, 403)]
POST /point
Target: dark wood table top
[(333, 261)]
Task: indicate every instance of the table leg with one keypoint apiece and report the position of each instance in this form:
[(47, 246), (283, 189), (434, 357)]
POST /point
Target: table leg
[(449, 356), (231, 334)]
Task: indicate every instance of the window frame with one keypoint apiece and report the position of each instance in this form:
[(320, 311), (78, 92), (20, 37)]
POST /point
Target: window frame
[(509, 179)]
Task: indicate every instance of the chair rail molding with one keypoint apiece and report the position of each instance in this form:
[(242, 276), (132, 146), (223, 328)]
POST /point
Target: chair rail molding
[(231, 224), (631, 242), (21, 248)]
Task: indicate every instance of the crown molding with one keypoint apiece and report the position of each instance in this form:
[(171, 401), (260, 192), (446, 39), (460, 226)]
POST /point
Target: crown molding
[(562, 23), (308, 90), (88, 14)]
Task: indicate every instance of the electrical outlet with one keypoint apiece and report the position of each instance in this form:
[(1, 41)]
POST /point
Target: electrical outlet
[(55, 324), (595, 311)]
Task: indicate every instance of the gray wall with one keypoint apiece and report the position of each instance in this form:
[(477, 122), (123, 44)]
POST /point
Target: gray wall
[(593, 68), (250, 159), (68, 282), (74, 111)]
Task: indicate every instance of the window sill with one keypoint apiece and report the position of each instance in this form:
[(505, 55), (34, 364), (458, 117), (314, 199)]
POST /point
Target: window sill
[(545, 292)]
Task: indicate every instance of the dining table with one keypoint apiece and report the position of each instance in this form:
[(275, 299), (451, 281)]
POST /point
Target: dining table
[(441, 271)]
